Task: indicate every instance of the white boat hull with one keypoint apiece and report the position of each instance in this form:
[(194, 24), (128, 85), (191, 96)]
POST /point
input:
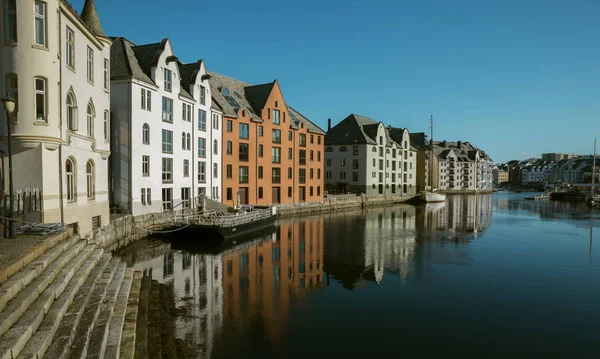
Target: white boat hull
[(430, 197)]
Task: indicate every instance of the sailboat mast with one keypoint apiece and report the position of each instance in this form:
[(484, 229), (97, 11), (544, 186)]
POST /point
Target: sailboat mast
[(594, 169), (431, 153)]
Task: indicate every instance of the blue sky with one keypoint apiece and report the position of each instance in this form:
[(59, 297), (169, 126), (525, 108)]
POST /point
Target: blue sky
[(516, 78)]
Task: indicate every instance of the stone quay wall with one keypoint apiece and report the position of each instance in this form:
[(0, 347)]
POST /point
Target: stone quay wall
[(128, 228)]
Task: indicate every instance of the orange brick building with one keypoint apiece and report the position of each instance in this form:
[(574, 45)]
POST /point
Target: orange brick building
[(264, 280), (271, 154)]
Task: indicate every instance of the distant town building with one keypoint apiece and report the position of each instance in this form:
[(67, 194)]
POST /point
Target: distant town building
[(555, 157), (364, 156), (499, 177)]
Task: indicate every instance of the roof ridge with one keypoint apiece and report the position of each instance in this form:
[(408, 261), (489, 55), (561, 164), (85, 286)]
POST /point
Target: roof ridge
[(232, 78), (306, 118)]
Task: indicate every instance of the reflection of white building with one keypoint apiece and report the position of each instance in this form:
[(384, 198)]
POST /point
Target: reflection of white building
[(471, 213), (197, 284)]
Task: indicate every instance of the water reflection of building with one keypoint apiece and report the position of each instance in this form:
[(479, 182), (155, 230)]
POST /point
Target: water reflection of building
[(360, 247), (468, 213), (260, 282), (196, 280)]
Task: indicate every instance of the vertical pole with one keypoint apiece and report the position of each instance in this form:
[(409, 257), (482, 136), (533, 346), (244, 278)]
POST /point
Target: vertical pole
[(12, 224)]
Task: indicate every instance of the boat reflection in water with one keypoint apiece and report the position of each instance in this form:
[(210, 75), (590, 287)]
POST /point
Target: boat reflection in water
[(242, 287)]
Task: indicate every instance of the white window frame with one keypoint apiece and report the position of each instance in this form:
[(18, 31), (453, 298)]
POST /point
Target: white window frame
[(167, 109), (70, 48), (167, 170), (71, 112), (90, 115), (185, 197), (145, 134), (71, 180), (202, 148), (106, 126), (201, 172), (215, 170), (167, 143), (186, 168), (168, 79), (145, 166), (167, 199), (90, 65), (201, 120), (90, 181), (276, 117), (143, 196), (10, 22), (39, 20), (44, 94), (13, 92), (106, 75), (215, 147), (202, 95)]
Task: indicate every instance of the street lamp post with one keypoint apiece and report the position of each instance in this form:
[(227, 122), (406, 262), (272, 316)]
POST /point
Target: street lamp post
[(9, 107)]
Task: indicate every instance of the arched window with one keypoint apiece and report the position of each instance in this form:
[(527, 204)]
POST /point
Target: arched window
[(216, 147), (106, 126), (329, 149), (91, 113), (189, 141), (343, 149), (71, 185), (183, 139), (89, 175), (146, 134), (374, 149), (225, 91), (71, 112)]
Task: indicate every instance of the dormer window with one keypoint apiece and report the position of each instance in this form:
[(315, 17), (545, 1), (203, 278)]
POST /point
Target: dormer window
[(168, 79), (225, 91)]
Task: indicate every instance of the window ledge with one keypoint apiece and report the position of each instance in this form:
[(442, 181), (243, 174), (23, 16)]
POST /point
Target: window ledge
[(90, 82), (40, 123), (91, 199), (8, 43), (71, 202), (40, 47), (72, 68)]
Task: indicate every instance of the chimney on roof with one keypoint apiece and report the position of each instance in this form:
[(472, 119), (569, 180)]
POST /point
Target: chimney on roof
[(328, 124), (459, 143), (444, 144)]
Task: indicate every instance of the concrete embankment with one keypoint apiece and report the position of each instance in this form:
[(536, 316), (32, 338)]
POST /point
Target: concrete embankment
[(483, 191), (338, 203)]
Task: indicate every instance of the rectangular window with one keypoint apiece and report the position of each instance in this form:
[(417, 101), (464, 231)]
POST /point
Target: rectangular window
[(260, 172), (276, 117), (10, 21), (143, 196), (260, 192), (201, 147), (106, 126), (185, 197), (329, 162), (215, 170), (167, 109), (343, 175), (229, 147), (202, 95), (355, 150), (167, 198), (106, 74), (229, 194), (40, 22), (276, 175), (302, 176), (168, 77), (276, 136), (302, 157), (312, 139), (90, 64), (354, 164), (260, 150), (318, 156), (143, 98), (290, 151), (167, 169), (289, 191), (145, 166), (318, 173), (201, 120), (244, 131), (355, 176), (148, 196), (12, 90), (311, 155), (303, 140), (70, 56), (201, 172), (229, 171), (311, 173), (243, 174), (276, 155), (186, 168), (290, 172), (290, 135), (40, 100), (167, 141), (260, 131), (243, 152), (229, 126)]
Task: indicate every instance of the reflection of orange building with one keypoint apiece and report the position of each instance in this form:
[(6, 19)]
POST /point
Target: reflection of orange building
[(271, 153), (261, 281)]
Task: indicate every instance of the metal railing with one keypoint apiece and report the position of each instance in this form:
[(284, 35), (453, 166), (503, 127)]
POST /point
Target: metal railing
[(213, 218)]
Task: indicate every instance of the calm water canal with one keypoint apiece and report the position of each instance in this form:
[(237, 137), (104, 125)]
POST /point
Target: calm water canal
[(481, 276)]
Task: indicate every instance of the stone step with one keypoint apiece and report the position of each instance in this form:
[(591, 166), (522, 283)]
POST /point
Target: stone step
[(66, 331), (80, 343), (115, 331), (99, 334), (23, 277), (23, 329), (41, 340), (19, 304), (154, 321), (141, 333), (128, 339)]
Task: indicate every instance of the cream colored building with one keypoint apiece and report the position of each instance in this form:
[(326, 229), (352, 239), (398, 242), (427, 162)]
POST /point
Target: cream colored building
[(55, 63)]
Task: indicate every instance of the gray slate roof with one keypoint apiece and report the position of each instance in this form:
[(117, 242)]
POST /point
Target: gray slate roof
[(298, 118), (350, 131), (89, 15)]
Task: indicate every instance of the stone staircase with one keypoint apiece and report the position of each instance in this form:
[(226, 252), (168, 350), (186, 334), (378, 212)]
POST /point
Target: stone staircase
[(73, 301)]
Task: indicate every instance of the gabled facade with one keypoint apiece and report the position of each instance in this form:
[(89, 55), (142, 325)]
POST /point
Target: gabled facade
[(55, 64), (363, 156), (164, 154), (271, 153)]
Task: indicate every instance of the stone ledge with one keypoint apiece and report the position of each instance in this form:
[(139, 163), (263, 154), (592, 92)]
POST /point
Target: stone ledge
[(30, 254)]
